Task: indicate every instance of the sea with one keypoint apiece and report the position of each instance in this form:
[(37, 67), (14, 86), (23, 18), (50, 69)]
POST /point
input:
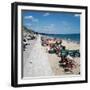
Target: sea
[(69, 37)]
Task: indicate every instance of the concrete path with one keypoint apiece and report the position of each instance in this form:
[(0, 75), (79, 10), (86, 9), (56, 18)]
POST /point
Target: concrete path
[(37, 63)]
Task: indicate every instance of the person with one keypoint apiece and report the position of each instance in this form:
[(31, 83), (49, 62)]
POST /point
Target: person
[(63, 53)]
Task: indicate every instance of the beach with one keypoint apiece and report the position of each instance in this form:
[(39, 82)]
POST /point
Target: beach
[(54, 59), (38, 62)]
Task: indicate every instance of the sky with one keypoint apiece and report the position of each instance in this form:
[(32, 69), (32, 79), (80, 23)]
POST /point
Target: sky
[(52, 22)]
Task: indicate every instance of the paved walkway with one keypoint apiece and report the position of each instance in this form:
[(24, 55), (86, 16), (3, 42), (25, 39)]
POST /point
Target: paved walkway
[(37, 63)]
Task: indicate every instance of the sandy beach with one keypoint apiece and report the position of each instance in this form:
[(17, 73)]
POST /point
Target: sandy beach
[(54, 59), (71, 45), (38, 62)]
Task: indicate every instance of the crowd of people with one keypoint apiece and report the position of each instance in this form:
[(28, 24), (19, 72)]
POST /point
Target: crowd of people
[(55, 46)]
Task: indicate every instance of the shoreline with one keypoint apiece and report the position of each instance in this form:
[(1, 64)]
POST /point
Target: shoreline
[(65, 39)]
